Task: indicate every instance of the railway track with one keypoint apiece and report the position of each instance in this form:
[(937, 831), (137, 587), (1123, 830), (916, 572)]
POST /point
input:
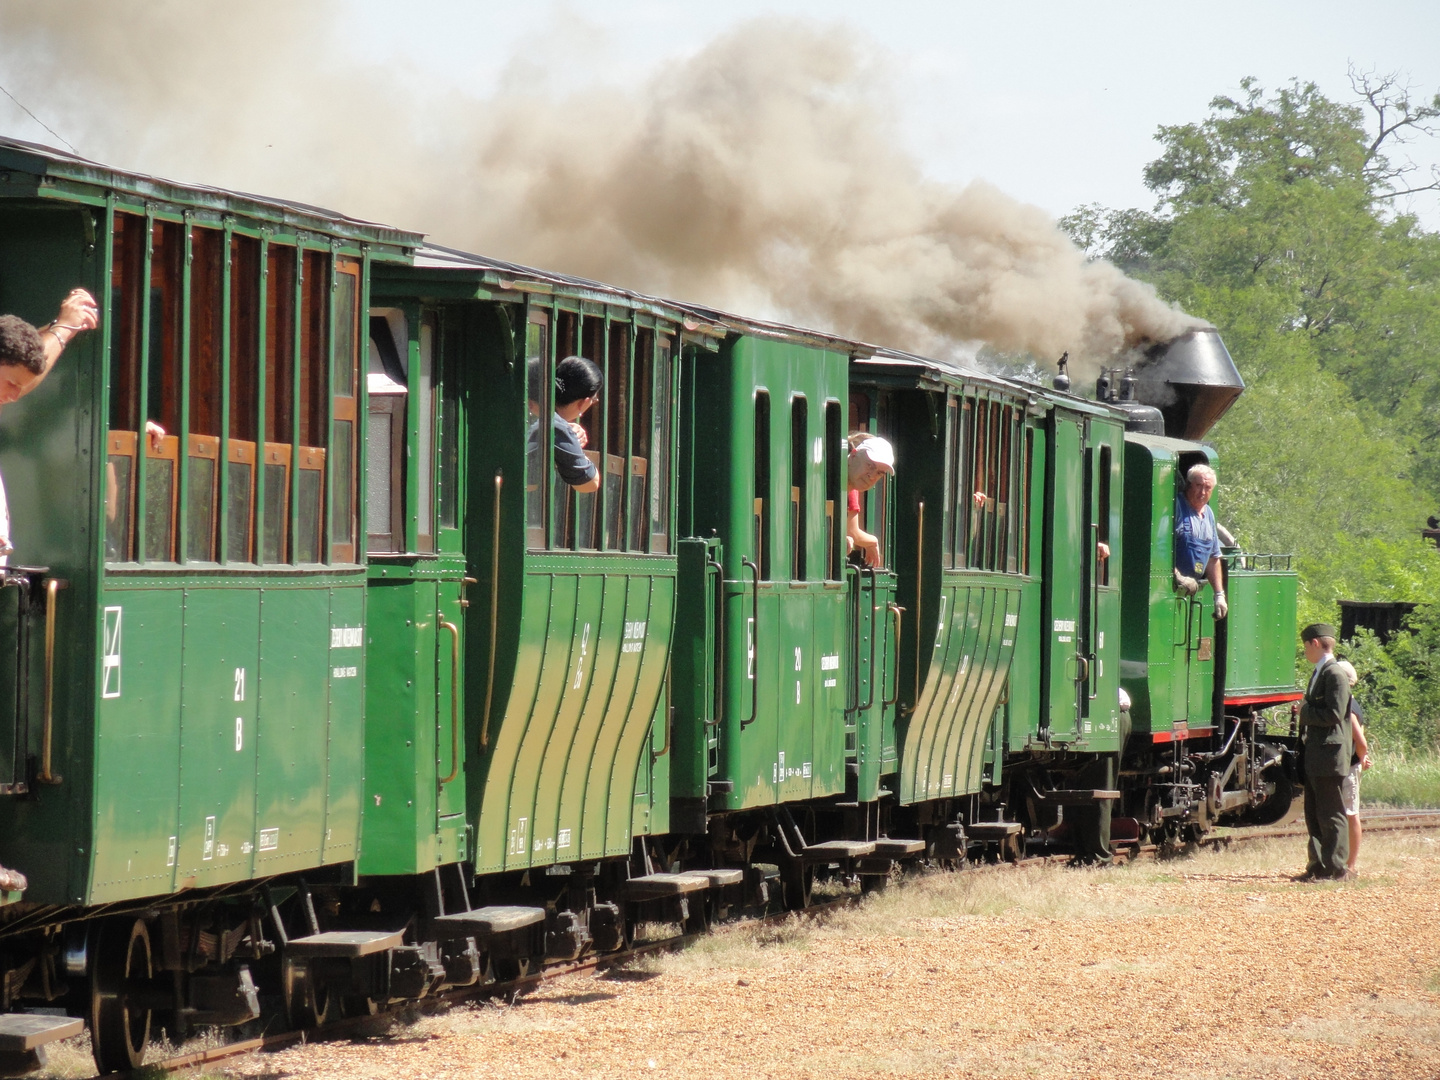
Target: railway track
[(1374, 821)]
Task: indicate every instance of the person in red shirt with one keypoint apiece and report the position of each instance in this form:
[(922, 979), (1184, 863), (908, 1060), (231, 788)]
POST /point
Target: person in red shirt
[(870, 458)]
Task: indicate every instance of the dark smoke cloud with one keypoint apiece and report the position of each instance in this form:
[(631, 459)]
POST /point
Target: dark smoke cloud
[(763, 174)]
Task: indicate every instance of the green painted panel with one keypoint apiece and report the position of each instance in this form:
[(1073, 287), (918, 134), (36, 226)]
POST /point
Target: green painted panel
[(644, 720), (345, 780), (499, 837), (218, 712), (137, 747), (589, 678), (1260, 627), (604, 677), (400, 728), (875, 753), (1065, 542), (293, 731), (944, 741)]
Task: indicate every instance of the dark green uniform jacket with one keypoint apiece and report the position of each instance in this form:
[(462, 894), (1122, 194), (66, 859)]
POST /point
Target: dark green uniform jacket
[(1329, 743)]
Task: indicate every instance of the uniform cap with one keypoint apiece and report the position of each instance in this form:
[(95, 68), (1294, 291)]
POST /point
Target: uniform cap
[(1318, 630), (879, 451)]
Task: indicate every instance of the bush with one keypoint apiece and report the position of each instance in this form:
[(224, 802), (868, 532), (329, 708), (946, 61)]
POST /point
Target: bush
[(1399, 685)]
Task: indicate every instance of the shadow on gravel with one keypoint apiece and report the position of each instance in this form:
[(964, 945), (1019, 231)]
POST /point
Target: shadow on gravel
[(582, 999), (629, 975)]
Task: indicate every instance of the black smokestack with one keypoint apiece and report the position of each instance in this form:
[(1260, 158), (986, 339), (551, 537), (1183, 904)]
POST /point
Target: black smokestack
[(1191, 380)]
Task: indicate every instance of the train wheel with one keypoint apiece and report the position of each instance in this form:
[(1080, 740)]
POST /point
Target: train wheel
[(798, 879), (1279, 797), (118, 1029), (306, 1004)]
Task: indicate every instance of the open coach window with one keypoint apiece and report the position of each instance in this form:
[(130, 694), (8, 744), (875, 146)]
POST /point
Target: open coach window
[(626, 434), (232, 397)]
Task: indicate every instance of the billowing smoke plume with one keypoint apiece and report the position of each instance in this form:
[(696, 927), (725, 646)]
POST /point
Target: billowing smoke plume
[(763, 174)]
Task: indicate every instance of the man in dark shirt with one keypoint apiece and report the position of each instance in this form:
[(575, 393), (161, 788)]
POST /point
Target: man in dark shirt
[(577, 388)]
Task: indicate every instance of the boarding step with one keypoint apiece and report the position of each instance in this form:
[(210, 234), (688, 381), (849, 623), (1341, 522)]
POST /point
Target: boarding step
[(20, 1032), (1077, 796), (835, 850), (349, 944), (486, 921), (661, 886), (991, 830), (720, 878), (890, 848)]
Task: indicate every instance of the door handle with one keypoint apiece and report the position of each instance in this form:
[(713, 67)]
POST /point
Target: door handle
[(45, 776), (494, 610), (873, 593), (454, 697), (754, 643), (896, 611)]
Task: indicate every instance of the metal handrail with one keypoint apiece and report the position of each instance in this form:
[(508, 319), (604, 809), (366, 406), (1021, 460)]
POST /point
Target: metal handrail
[(45, 776), (919, 593), (873, 593), (754, 643), (454, 696), (719, 701), (494, 613), (896, 610)]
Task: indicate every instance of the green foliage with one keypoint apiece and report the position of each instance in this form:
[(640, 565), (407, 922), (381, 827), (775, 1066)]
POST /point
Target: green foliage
[(1402, 779), (1274, 223)]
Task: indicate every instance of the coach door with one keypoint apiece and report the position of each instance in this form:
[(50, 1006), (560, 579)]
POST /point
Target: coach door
[(1099, 629), (1064, 665), (415, 746)]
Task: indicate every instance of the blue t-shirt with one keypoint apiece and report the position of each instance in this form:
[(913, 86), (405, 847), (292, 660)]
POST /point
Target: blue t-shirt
[(571, 464), (1196, 538)]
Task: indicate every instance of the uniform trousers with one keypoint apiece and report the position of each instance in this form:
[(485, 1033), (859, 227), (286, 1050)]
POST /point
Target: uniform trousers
[(1325, 820)]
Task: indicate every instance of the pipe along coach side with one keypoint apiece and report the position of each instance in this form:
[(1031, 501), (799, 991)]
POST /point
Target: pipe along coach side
[(321, 688)]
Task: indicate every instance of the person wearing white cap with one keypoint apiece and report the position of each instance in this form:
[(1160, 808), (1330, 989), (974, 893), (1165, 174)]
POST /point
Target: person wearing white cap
[(870, 458), (1359, 761)]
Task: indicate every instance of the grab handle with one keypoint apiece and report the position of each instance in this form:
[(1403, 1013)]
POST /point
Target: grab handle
[(754, 643), (494, 613), (896, 611), (45, 776), (454, 698)]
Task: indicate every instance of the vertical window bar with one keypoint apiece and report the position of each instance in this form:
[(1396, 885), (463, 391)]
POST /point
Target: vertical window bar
[(327, 406), (622, 541)]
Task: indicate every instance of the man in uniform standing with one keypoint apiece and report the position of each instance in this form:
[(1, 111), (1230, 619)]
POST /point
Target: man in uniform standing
[(1326, 729)]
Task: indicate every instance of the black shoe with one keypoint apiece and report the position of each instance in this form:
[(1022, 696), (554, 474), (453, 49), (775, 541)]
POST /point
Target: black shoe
[(1306, 877), (1344, 875)]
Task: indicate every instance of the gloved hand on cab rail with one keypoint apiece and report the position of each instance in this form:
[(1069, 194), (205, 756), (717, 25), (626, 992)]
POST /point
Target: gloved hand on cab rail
[(1188, 585), (1221, 607)]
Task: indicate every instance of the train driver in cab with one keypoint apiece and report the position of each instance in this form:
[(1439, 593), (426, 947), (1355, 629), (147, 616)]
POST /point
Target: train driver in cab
[(1197, 538), (577, 387), (27, 354), (870, 457)]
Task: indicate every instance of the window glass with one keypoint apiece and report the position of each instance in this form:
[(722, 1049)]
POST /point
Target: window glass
[(618, 393), (760, 540), (834, 490), (799, 483), (642, 431), (1102, 511), (948, 512), (659, 463), (244, 400), (126, 312), (539, 396), (450, 422), (207, 308), (163, 388), (279, 414), (345, 364), (425, 436)]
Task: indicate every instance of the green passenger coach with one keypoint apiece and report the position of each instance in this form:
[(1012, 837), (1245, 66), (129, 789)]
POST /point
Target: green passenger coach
[(187, 475)]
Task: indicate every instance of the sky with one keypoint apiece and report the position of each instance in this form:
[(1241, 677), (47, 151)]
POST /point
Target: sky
[(889, 172), (1057, 104)]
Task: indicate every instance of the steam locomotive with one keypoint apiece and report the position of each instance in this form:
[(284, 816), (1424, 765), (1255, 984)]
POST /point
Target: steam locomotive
[(335, 695)]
